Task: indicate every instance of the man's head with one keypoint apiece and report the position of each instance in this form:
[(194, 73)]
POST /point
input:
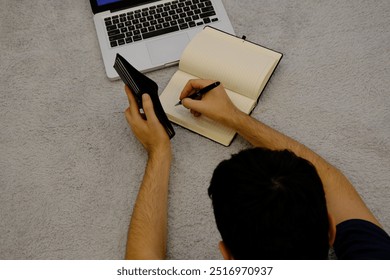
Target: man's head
[(270, 205)]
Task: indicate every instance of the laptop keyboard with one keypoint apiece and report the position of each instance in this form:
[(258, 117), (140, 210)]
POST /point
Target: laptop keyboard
[(156, 20)]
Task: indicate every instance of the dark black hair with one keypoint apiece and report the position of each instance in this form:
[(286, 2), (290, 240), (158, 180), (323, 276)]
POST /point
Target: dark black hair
[(270, 205)]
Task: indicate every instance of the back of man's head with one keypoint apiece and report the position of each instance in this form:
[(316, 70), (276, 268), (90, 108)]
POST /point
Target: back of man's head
[(270, 205)]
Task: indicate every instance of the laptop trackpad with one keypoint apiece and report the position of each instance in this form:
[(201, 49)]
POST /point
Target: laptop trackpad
[(167, 49)]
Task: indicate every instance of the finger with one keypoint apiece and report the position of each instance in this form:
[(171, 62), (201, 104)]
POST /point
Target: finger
[(147, 104), (128, 117), (187, 90), (134, 110), (195, 113), (194, 105), (129, 93), (191, 87)]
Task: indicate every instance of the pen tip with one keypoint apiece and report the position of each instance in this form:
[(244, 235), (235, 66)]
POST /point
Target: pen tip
[(178, 103)]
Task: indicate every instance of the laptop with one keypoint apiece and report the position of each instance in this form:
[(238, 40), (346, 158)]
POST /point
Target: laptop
[(152, 34)]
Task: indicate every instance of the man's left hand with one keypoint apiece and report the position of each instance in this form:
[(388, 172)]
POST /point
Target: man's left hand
[(149, 131)]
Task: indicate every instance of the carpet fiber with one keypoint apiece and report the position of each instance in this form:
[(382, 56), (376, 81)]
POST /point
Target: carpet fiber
[(70, 167)]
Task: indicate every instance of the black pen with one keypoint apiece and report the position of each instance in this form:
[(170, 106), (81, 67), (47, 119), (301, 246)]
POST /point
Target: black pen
[(201, 92)]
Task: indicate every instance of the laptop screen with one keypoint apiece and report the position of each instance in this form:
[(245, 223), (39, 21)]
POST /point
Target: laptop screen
[(105, 2), (107, 5)]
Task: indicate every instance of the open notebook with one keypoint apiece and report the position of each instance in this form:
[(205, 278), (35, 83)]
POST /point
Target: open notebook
[(243, 68)]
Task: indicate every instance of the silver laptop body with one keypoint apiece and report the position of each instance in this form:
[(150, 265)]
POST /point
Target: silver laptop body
[(152, 34)]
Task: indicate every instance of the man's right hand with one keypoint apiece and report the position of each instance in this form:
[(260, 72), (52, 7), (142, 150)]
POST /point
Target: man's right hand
[(215, 104)]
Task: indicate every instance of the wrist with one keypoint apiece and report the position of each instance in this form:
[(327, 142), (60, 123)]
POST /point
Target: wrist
[(236, 119), (161, 152)]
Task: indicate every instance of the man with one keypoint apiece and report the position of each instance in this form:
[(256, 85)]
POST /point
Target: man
[(342, 220)]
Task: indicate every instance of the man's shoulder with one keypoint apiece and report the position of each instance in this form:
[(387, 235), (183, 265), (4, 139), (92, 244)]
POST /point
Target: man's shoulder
[(361, 239)]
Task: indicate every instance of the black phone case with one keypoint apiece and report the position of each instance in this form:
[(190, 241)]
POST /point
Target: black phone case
[(140, 84)]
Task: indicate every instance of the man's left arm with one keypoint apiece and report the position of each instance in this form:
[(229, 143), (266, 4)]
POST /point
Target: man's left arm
[(147, 236)]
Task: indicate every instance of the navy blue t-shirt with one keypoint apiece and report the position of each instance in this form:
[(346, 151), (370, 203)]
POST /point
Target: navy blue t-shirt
[(361, 240)]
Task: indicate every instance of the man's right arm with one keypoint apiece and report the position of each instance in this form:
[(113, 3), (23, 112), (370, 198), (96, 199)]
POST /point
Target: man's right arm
[(343, 202)]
